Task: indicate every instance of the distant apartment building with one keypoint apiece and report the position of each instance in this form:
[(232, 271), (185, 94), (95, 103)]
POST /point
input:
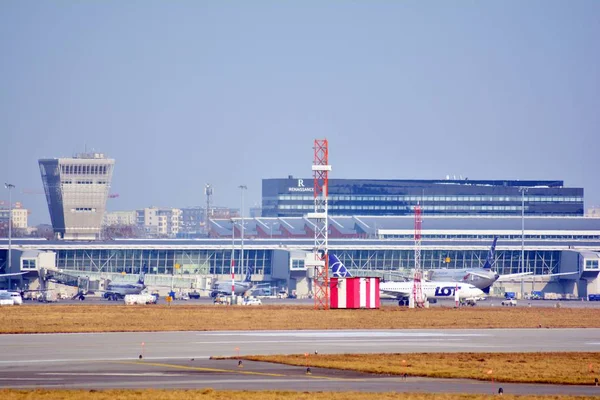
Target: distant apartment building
[(192, 220), (159, 222), (19, 216), (593, 211), (120, 218)]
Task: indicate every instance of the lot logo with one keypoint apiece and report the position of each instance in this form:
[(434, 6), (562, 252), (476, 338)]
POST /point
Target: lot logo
[(445, 291), (300, 187)]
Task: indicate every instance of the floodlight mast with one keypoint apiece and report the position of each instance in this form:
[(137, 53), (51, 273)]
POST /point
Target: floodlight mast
[(321, 170)]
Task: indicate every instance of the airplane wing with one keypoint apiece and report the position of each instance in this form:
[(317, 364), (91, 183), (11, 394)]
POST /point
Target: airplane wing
[(477, 274), (563, 273), (504, 278), (13, 274), (394, 293)]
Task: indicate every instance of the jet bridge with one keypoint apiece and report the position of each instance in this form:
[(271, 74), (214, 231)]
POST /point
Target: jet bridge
[(83, 283)]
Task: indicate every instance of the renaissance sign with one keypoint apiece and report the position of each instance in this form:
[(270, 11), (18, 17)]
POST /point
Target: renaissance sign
[(300, 187)]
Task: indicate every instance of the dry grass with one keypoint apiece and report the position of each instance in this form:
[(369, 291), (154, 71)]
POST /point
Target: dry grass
[(104, 318), (558, 368), (209, 394)]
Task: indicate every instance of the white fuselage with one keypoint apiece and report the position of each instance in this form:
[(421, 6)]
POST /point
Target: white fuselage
[(224, 287), (125, 288), (432, 290)]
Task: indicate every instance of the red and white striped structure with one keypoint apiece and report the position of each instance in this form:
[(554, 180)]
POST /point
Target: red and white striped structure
[(319, 217), (355, 293)]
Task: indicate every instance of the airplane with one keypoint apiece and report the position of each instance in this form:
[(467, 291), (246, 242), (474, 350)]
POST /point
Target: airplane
[(403, 290), (431, 290), (482, 278), (240, 287), (118, 290)]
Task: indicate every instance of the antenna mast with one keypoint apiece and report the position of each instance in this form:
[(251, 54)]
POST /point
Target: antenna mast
[(417, 294), (321, 170), (208, 192)]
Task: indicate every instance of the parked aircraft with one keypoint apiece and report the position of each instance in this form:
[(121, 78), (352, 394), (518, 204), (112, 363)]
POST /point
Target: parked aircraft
[(481, 278), (431, 290), (403, 290), (118, 290), (240, 287)]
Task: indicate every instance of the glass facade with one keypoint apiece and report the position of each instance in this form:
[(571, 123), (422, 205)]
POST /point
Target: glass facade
[(294, 197), (162, 261), (506, 262)]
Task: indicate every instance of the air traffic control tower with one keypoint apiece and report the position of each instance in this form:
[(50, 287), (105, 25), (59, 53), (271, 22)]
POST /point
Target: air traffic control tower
[(76, 190)]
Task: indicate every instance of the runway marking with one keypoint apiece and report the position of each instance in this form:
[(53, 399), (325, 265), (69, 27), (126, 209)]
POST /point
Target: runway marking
[(204, 369), (234, 371), (31, 379), (337, 341), (108, 374), (348, 334)]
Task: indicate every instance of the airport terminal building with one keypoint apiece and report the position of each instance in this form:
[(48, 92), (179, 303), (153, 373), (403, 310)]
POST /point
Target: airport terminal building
[(371, 229), (369, 246)]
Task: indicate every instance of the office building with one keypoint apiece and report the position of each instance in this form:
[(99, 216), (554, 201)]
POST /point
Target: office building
[(294, 197)]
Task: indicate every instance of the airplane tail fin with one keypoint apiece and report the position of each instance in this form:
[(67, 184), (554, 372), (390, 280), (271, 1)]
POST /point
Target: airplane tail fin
[(490, 258), (249, 273), (142, 275), (338, 270)]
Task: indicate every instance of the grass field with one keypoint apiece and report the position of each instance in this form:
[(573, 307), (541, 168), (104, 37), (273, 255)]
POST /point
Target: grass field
[(209, 394), (560, 368), (122, 318)]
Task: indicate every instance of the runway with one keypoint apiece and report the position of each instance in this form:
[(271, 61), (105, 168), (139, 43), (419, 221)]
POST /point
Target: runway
[(111, 360), (226, 375)]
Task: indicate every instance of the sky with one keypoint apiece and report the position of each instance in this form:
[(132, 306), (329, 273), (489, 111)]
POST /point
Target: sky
[(184, 93)]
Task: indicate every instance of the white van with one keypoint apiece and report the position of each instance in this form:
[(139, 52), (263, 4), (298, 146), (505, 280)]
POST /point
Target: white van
[(16, 296), (6, 299)]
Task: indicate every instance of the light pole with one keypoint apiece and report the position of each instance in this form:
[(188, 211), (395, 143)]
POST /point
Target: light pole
[(522, 190), (232, 260), (10, 187), (242, 188)]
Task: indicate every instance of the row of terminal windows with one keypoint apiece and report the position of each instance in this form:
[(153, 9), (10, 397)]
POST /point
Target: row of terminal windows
[(424, 207), (439, 198), (84, 169), (84, 182), (83, 210), (490, 237)]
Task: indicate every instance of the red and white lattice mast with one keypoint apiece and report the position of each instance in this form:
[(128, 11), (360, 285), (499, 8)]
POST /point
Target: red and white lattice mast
[(417, 293), (320, 261)]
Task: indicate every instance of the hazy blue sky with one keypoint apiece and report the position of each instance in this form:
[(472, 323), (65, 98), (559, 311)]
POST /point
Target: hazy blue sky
[(182, 93)]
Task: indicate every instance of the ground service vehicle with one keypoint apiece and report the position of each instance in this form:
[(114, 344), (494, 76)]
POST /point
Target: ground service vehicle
[(509, 302), (144, 298), (252, 302)]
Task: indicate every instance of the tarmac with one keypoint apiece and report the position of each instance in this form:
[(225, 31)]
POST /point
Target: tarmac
[(182, 359)]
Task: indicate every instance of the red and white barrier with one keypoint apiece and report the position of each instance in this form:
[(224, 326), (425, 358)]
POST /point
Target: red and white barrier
[(354, 293)]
